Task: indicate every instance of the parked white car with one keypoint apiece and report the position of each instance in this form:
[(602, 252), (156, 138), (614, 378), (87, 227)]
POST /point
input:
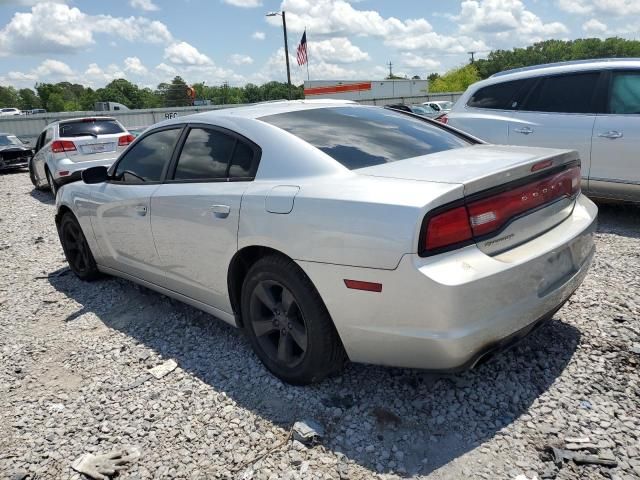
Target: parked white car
[(330, 230), (67, 147), (440, 106), (589, 106), (9, 112)]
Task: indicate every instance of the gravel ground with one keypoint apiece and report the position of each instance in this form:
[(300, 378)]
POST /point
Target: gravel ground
[(74, 380)]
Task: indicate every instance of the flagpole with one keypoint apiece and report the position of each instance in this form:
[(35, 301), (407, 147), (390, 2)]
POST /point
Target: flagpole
[(305, 31)]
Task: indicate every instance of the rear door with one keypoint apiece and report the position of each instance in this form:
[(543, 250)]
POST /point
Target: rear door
[(559, 111), (195, 213), (489, 110), (615, 157), (122, 224)]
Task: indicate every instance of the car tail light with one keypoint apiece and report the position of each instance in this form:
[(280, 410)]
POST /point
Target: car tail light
[(125, 140), (60, 146), (443, 119), (448, 228), (460, 224)]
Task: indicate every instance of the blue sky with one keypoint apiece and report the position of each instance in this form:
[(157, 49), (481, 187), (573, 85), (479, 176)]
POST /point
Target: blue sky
[(150, 41)]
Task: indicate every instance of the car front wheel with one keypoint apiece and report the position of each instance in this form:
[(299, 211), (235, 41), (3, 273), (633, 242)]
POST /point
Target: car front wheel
[(76, 249), (288, 324)]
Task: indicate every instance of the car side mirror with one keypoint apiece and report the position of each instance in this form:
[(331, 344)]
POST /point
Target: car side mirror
[(95, 175)]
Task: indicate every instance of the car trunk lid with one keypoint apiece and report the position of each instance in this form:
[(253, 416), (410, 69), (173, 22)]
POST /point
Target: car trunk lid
[(511, 194)]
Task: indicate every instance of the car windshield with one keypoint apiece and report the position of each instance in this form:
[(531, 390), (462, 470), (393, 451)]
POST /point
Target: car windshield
[(90, 126), (8, 140), (446, 105), (360, 136), (421, 110)]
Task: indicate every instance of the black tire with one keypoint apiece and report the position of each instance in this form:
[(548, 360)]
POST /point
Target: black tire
[(282, 310), (76, 249), (53, 186), (32, 177)]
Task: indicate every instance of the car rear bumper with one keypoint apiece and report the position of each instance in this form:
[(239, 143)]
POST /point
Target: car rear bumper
[(448, 311), (74, 169)]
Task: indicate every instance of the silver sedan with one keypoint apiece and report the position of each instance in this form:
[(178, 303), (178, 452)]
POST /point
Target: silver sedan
[(331, 231)]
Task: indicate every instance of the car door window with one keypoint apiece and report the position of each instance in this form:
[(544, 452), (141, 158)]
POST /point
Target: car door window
[(500, 96), (571, 93), (205, 155), (40, 141), (48, 136), (625, 93), (243, 165), (145, 161)]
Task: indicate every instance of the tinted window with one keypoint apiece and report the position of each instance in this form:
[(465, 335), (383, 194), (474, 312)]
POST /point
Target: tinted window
[(6, 140), (359, 137), (563, 94), (625, 93), (500, 96), (205, 154), (146, 159), (242, 162), (89, 127)]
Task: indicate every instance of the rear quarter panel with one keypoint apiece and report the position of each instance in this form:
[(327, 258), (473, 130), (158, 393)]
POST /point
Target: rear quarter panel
[(344, 219)]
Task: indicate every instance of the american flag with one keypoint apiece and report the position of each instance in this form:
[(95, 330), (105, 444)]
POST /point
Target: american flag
[(302, 49)]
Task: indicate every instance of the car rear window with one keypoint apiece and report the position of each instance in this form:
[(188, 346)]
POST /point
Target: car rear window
[(359, 137), (89, 127)]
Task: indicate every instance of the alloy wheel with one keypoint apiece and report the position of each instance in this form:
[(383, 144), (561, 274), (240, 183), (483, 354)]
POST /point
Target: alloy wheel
[(278, 323), (76, 247)]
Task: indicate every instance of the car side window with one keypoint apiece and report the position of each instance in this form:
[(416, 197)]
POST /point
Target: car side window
[(48, 136), (40, 141), (205, 155), (145, 161), (572, 93), (625, 93), (499, 96), (242, 162)]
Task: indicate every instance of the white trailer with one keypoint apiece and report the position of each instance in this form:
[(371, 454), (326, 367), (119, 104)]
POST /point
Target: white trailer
[(360, 90)]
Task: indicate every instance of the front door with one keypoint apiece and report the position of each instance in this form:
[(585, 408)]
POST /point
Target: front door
[(122, 223), (196, 212), (615, 164)]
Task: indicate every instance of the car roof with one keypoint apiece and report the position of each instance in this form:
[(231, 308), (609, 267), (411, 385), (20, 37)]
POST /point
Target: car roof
[(563, 67), (66, 120), (258, 110)]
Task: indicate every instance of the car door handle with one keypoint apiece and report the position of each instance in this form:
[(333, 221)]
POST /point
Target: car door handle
[(523, 130), (613, 134), (141, 210), (221, 211)]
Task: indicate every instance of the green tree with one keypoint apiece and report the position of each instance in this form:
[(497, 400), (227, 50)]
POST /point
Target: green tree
[(9, 97), (28, 99), (456, 80), (175, 93)]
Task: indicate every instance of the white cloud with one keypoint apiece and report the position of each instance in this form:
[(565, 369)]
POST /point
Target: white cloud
[(244, 3), (594, 27), (146, 5), (414, 61), (54, 68), (183, 53), (57, 28), (505, 23), (613, 8), (337, 49), (339, 18), (258, 36), (134, 65), (97, 76), (238, 59)]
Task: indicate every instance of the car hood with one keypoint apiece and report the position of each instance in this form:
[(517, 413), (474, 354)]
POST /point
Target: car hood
[(477, 167), (14, 148)]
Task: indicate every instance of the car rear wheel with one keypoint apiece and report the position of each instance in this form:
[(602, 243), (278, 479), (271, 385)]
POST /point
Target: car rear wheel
[(76, 249), (32, 177), (288, 324), (53, 186)]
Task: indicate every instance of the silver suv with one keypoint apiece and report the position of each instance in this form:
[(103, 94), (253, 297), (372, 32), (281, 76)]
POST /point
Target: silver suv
[(67, 147), (590, 106)]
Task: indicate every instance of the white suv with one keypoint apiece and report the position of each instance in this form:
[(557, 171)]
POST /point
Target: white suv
[(67, 147), (591, 106)]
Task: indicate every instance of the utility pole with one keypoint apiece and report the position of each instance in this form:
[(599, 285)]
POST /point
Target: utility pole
[(473, 59), (286, 45), (390, 69)]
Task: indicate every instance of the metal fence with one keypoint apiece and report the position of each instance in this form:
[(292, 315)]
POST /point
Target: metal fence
[(28, 127)]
